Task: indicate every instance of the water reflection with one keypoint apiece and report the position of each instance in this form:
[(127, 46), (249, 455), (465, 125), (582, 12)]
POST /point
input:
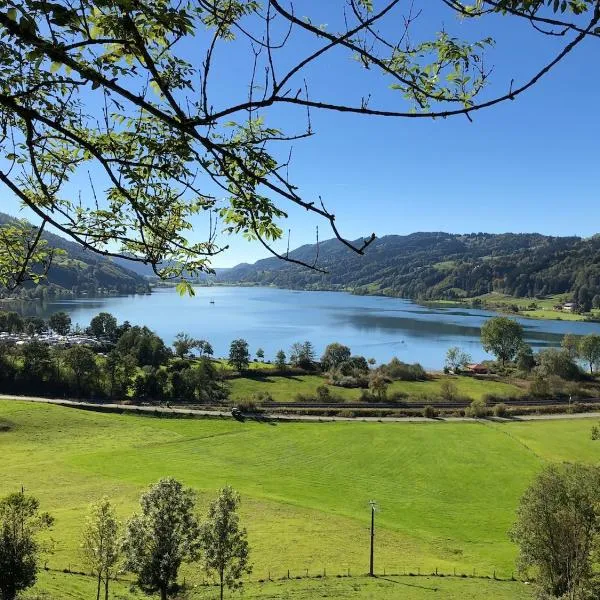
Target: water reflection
[(274, 319)]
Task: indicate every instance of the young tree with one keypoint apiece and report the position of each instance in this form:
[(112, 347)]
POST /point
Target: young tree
[(557, 530), (20, 549), (260, 354), (60, 323), (280, 359), (525, 359), (239, 356), (224, 543), (378, 385), (163, 536), (502, 337), (589, 350), (570, 345), (100, 546), (456, 359), (335, 354)]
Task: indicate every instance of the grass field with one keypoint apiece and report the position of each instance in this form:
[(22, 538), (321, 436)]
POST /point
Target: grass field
[(545, 306), (284, 389), (447, 492)]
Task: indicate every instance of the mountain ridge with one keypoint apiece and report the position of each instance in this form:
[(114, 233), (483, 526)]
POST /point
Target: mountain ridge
[(441, 266)]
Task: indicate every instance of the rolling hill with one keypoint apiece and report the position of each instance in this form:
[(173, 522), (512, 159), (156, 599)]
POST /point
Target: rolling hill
[(80, 271), (437, 265)]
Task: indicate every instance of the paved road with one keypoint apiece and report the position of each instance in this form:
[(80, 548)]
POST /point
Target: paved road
[(273, 417)]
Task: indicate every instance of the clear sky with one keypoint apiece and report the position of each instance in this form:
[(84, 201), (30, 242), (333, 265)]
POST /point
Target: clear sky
[(527, 165)]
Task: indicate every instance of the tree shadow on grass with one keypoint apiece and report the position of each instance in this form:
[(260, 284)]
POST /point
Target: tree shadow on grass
[(404, 584)]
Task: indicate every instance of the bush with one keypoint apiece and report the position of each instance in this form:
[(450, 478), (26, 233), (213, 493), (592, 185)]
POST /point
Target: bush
[(477, 410), (500, 410), (448, 390), (429, 412), (396, 369), (539, 387), (323, 393), (247, 406), (596, 432), (260, 397)]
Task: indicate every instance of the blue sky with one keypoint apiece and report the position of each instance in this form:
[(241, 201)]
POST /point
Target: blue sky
[(527, 165)]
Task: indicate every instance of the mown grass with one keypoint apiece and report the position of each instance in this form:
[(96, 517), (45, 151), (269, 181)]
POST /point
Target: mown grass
[(285, 388), (447, 492)]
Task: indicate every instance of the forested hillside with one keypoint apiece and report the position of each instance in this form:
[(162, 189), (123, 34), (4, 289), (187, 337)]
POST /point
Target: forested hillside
[(443, 266), (78, 272)]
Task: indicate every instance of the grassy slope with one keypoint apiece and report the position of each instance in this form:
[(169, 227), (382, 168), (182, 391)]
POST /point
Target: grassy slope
[(545, 307), (286, 388), (447, 491)]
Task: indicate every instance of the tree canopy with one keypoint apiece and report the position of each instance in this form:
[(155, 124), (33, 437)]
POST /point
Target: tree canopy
[(503, 337), (107, 90)]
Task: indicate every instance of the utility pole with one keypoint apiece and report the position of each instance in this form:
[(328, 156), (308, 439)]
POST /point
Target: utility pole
[(371, 570)]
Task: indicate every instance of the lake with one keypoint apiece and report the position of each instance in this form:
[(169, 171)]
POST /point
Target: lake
[(274, 319)]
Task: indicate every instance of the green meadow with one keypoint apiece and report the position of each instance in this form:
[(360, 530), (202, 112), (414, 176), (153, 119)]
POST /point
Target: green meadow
[(446, 492), (284, 388)]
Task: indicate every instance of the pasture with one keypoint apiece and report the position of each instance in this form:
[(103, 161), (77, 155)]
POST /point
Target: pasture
[(284, 388), (446, 492)]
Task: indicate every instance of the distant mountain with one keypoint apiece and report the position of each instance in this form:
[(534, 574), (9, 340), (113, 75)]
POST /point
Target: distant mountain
[(441, 266), (81, 271)]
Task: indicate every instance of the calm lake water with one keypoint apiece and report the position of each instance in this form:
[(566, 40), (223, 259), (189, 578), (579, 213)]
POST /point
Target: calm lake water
[(274, 319)]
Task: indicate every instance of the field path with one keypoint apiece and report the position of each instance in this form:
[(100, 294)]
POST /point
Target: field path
[(136, 408)]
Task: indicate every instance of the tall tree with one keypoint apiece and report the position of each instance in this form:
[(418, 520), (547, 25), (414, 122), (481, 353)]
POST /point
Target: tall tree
[(280, 359), (570, 344), (184, 344), (557, 530), (239, 355), (334, 355), (162, 536), (20, 523), (60, 323), (115, 91), (224, 542), (589, 350), (100, 546), (104, 325), (82, 362), (502, 337)]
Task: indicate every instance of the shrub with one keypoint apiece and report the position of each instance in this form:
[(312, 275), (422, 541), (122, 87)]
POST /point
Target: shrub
[(323, 393), (396, 369), (247, 406), (500, 410), (539, 387), (260, 397), (448, 390), (478, 409), (429, 412), (596, 432)]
